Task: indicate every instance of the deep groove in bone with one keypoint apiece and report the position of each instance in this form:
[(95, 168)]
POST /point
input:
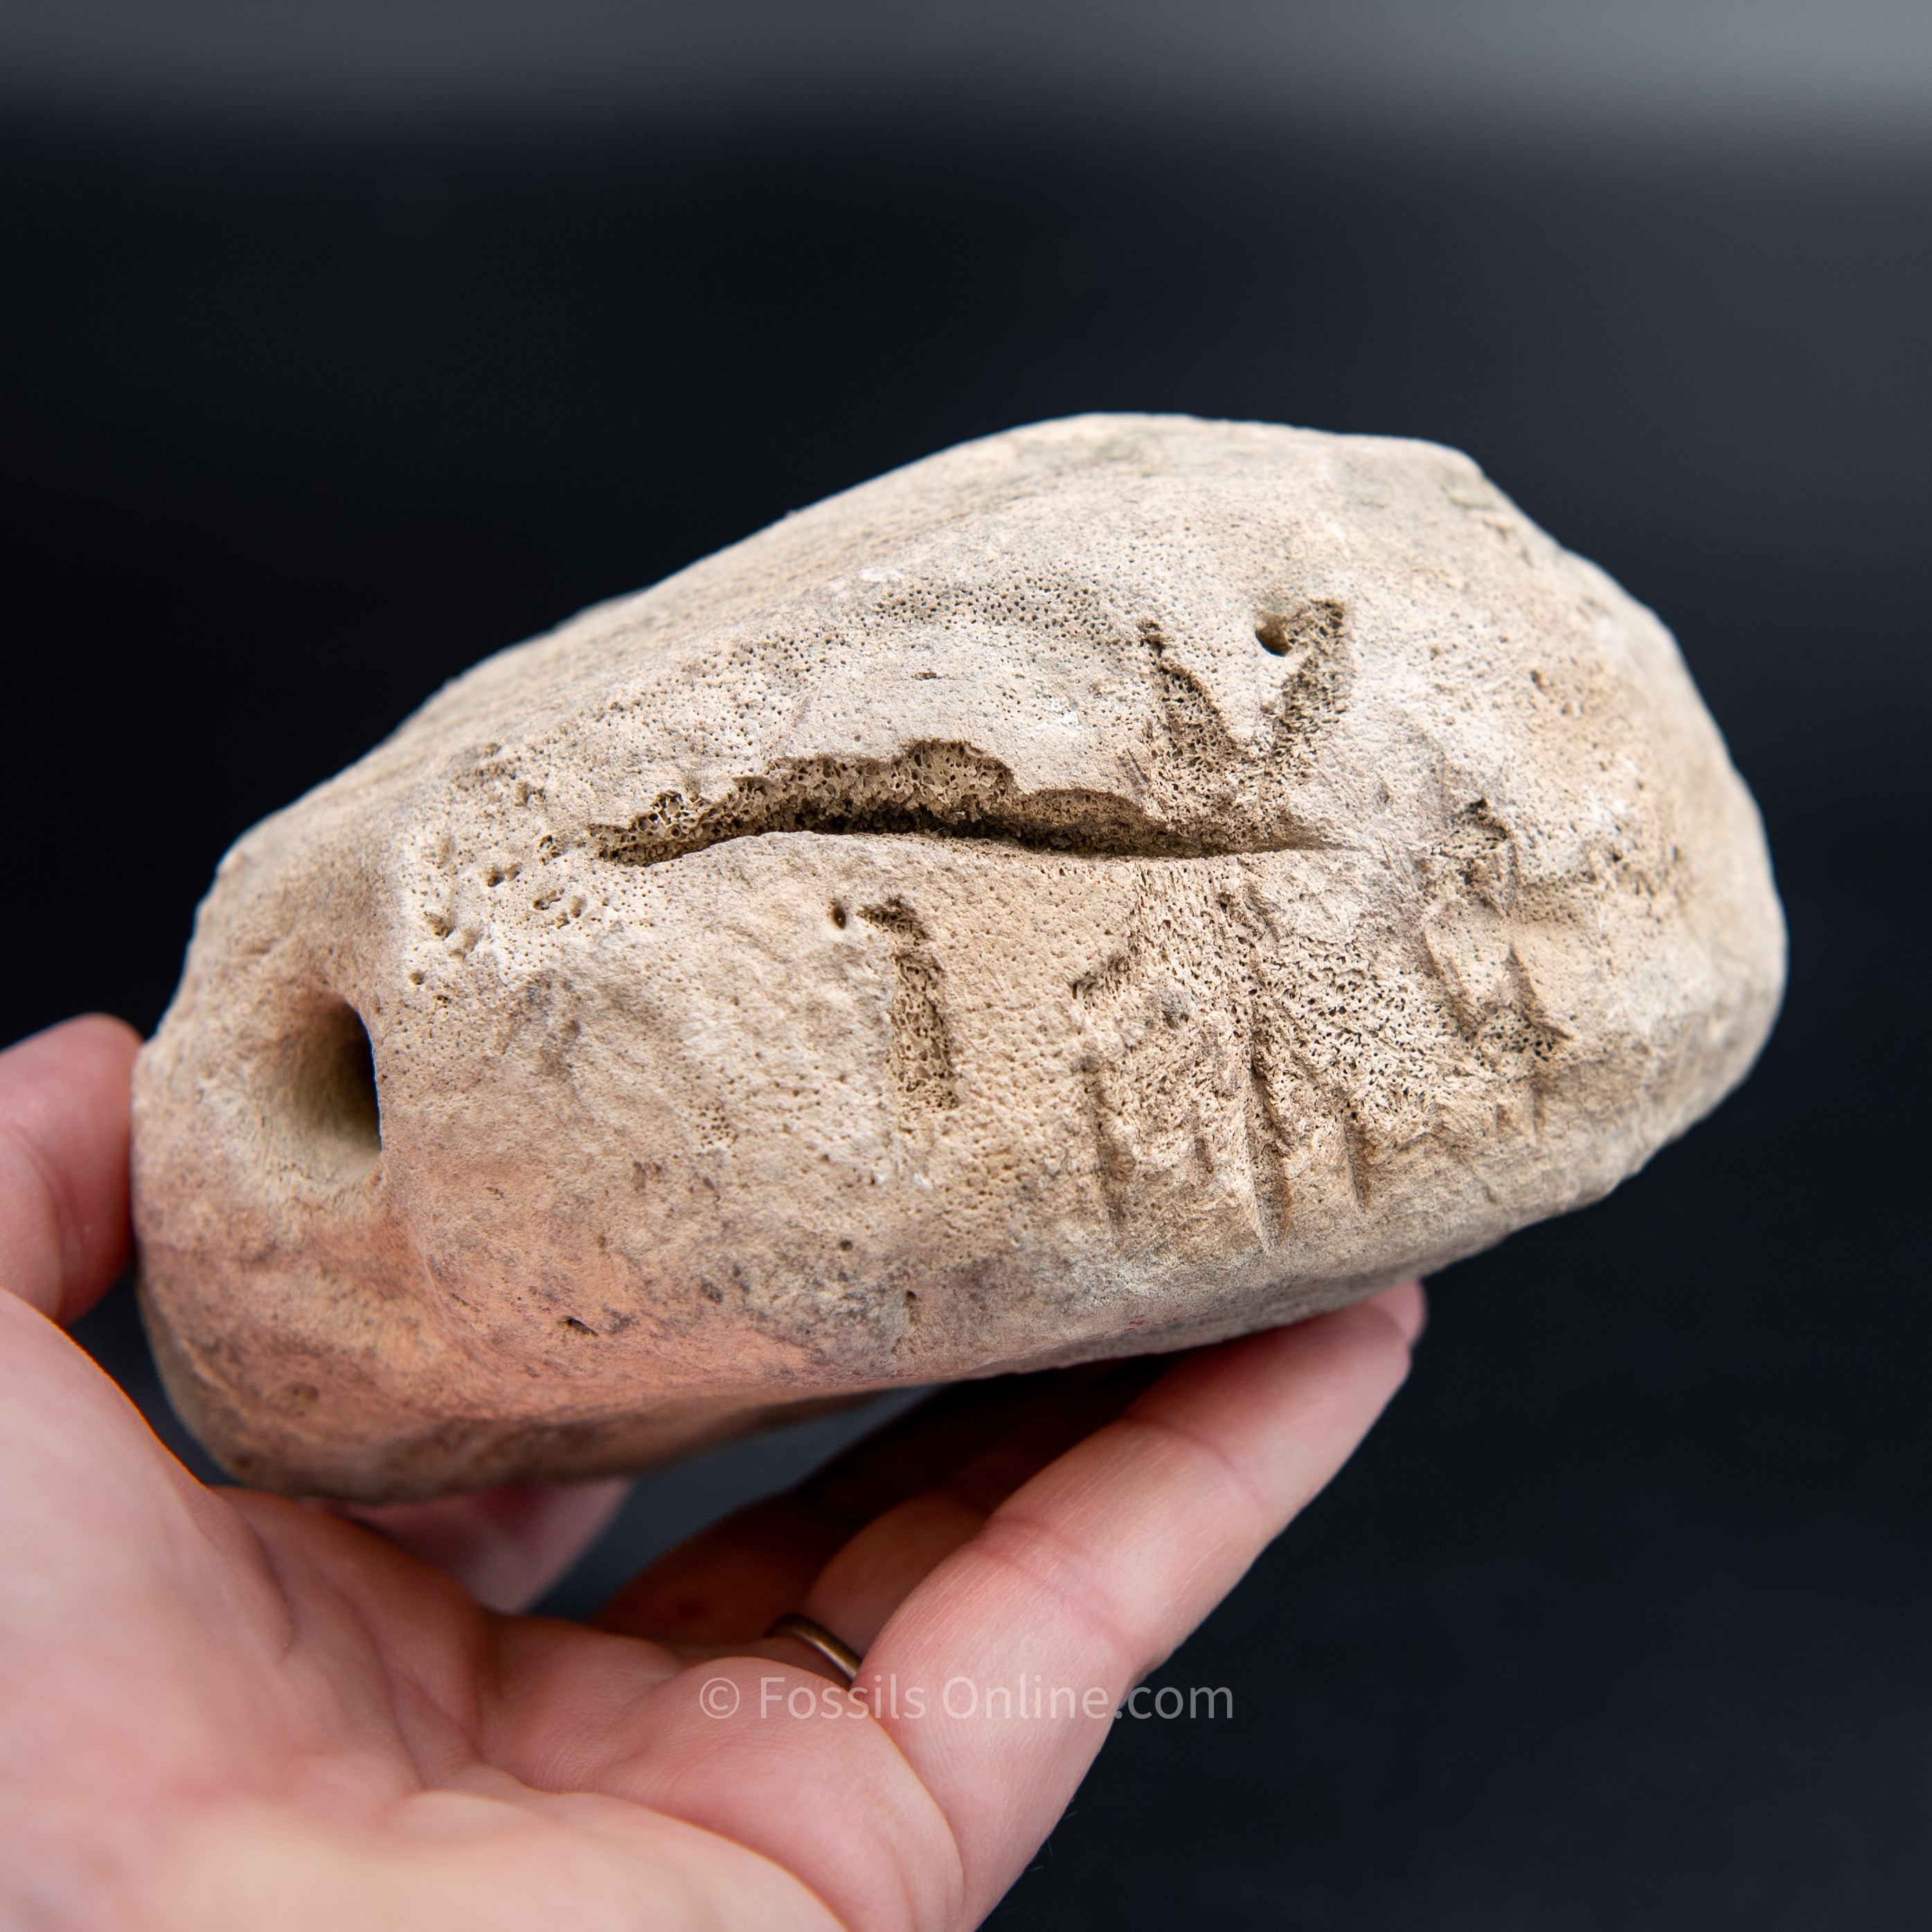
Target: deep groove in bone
[(932, 788)]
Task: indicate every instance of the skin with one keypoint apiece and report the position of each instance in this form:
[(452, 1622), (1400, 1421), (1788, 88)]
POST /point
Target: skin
[(226, 1709)]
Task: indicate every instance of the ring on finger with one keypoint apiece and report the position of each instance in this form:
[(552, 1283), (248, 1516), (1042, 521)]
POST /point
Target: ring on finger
[(840, 1655)]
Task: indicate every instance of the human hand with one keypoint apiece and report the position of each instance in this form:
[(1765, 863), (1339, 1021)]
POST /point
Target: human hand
[(225, 1709)]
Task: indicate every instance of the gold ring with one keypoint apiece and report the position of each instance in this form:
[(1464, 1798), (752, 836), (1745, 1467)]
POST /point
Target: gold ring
[(842, 1658)]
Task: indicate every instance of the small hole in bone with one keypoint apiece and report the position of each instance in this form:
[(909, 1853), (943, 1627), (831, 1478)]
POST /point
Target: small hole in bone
[(331, 1098), (838, 917), (1275, 632)]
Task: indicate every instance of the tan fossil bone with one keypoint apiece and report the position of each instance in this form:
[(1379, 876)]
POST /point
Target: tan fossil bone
[(1106, 886)]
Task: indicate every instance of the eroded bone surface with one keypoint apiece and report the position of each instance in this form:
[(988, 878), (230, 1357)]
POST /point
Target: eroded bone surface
[(1109, 886)]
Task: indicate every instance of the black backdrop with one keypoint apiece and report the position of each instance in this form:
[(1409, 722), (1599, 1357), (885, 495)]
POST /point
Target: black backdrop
[(1624, 1617)]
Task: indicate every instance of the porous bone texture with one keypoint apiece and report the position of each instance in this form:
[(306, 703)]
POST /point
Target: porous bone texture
[(1105, 887)]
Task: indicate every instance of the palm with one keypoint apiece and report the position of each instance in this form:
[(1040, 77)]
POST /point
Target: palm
[(224, 1708)]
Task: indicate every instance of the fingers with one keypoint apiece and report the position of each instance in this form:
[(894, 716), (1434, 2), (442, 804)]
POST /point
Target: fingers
[(848, 1545), (64, 1163), (506, 1546), (1097, 1567)]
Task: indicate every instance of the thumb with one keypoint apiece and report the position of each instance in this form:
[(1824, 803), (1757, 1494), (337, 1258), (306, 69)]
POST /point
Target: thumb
[(64, 1163)]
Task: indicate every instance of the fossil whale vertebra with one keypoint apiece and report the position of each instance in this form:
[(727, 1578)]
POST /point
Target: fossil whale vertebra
[(1104, 887)]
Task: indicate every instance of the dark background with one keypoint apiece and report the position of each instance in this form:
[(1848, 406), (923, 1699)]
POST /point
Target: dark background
[(313, 396)]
